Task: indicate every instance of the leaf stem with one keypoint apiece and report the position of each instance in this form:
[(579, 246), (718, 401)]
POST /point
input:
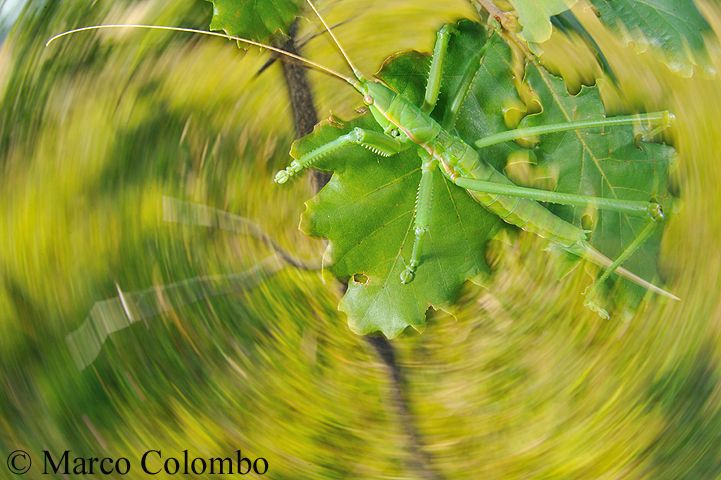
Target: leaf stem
[(305, 117)]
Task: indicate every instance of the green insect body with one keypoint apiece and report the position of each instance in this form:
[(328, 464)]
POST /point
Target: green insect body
[(456, 159)]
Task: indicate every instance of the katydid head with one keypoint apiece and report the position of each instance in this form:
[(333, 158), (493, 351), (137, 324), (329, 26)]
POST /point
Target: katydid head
[(378, 97), (375, 94)]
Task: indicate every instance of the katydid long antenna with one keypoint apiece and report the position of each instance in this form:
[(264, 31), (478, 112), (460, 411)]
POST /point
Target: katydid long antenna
[(301, 43), (280, 51), (356, 72)]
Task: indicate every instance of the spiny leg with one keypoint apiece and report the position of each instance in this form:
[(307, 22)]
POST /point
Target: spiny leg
[(457, 98), (422, 215), (461, 93), (435, 76), (376, 142), (424, 196)]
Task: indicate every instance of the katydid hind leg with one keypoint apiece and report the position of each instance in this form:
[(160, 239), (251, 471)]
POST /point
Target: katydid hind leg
[(421, 217), (376, 142), (652, 210), (658, 120)]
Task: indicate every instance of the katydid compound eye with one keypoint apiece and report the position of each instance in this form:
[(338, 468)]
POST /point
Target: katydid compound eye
[(368, 100)]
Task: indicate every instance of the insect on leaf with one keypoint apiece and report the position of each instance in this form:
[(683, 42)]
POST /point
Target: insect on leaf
[(366, 210), (254, 19)]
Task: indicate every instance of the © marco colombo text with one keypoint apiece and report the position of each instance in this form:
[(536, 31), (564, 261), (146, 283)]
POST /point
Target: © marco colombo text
[(153, 462)]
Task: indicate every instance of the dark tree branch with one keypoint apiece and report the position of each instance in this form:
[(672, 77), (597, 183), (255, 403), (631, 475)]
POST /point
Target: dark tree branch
[(305, 117), (419, 462)]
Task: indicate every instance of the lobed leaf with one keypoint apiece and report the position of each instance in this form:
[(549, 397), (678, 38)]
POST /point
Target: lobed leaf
[(254, 19), (366, 212)]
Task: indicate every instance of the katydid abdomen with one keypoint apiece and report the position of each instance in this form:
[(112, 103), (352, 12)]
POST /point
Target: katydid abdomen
[(457, 160), (460, 160)]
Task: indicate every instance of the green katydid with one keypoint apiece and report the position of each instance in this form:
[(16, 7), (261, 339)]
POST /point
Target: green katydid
[(407, 126)]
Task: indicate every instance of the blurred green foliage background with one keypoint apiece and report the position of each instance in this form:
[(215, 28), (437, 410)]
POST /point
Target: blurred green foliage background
[(519, 381)]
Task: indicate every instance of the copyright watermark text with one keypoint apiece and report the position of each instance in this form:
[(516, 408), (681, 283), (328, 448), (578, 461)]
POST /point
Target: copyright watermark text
[(150, 462)]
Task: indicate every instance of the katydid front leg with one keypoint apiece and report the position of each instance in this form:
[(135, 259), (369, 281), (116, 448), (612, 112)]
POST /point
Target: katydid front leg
[(433, 87), (424, 196), (376, 142), (458, 98)]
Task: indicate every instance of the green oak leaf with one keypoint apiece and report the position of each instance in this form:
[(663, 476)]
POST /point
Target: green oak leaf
[(254, 19), (601, 162), (535, 17), (675, 27), (366, 210)]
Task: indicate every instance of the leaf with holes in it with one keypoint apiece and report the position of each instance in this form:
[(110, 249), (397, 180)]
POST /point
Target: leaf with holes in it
[(600, 162), (254, 19), (366, 210)]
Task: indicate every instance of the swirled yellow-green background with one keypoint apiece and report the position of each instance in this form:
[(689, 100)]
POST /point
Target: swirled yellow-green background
[(520, 381)]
